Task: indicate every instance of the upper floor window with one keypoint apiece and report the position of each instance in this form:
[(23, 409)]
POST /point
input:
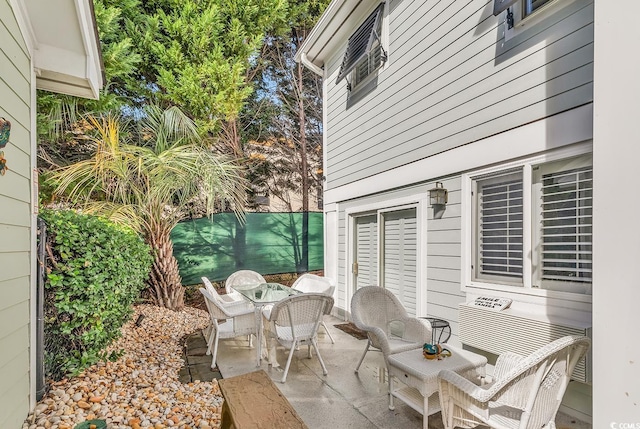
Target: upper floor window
[(530, 6), (521, 14), (365, 53), (532, 226)]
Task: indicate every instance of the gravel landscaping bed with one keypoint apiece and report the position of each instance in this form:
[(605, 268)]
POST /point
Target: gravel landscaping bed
[(141, 389)]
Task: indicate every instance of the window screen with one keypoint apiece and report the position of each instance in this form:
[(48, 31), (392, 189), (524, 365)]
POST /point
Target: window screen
[(500, 227), (567, 206)]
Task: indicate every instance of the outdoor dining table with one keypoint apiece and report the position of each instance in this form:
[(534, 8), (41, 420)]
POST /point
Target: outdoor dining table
[(261, 295)]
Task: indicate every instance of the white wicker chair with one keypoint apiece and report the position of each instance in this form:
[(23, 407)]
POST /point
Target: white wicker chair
[(238, 321), (389, 329), (310, 283), (229, 298), (294, 321), (243, 278), (526, 391)]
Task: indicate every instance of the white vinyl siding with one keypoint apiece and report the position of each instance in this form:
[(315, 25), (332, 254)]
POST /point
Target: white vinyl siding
[(367, 250), (15, 224), (400, 256), (451, 80)]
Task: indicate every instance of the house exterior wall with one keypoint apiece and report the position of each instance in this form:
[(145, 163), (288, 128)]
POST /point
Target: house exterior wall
[(616, 232), (15, 224), (455, 97), (452, 79)]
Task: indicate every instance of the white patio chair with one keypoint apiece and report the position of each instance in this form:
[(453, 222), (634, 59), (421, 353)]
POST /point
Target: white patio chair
[(294, 321), (229, 298), (310, 283), (243, 278), (233, 301), (526, 391), (389, 329), (238, 321)]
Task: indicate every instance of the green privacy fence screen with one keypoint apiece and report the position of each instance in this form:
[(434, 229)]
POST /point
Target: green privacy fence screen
[(269, 243)]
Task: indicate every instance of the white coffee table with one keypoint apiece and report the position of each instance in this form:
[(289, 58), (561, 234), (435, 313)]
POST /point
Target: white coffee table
[(420, 377)]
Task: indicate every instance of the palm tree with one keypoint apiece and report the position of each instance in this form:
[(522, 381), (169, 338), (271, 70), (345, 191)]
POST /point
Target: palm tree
[(149, 181)]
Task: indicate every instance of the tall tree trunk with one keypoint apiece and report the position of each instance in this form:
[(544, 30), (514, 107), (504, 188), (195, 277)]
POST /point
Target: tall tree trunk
[(304, 171), (240, 245), (232, 137), (165, 283)]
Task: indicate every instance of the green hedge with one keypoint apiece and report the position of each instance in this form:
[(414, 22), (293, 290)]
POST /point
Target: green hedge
[(95, 272)]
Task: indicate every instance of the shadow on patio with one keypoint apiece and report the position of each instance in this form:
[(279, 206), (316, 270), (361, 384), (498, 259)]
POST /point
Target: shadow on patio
[(340, 399)]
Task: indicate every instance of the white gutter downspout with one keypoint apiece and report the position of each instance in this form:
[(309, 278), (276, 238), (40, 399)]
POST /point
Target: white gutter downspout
[(308, 64)]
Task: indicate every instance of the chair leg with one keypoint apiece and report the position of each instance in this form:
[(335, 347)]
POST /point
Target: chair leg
[(286, 368), (391, 406), (210, 341), (315, 346), (366, 349), (390, 382), (328, 333), (215, 351)]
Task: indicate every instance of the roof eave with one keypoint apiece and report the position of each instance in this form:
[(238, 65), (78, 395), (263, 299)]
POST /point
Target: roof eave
[(64, 45), (332, 29)]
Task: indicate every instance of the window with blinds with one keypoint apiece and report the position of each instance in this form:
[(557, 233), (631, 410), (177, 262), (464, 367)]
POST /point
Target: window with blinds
[(566, 226), (362, 46), (499, 250), (368, 64), (532, 226)]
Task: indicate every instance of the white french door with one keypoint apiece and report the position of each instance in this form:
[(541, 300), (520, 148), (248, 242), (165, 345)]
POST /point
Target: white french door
[(399, 256), (386, 253), (365, 265)]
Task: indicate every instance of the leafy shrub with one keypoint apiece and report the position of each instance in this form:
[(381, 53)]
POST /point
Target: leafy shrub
[(95, 272)]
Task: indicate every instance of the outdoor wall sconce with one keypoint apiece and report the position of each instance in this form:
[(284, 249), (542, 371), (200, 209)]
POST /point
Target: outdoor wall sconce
[(438, 197)]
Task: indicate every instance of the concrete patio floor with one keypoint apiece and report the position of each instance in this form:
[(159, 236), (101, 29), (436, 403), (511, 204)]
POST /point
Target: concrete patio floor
[(341, 399)]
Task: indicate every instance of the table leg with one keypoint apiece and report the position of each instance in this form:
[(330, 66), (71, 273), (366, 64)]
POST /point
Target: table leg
[(270, 345), (425, 412), (258, 313)]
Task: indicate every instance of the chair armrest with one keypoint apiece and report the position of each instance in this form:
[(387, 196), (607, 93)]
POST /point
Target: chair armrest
[(233, 296), (235, 311), (378, 338), (416, 330), (450, 381)]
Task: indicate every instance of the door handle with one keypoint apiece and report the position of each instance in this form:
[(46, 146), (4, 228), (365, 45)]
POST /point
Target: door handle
[(354, 268)]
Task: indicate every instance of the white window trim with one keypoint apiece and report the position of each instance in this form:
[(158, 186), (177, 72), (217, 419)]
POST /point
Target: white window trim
[(470, 286), (521, 24), (384, 43)]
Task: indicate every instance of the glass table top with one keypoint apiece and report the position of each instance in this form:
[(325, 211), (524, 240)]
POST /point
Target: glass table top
[(265, 293)]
